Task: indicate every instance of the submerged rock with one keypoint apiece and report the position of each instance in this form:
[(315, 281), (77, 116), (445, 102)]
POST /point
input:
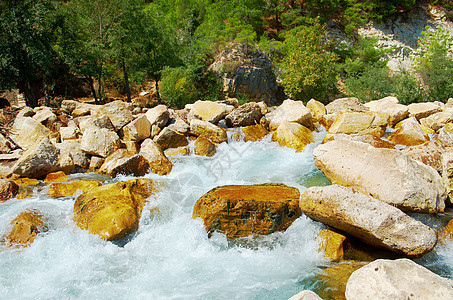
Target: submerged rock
[(60, 189), (113, 211), (239, 211), (397, 279), (59, 176), (370, 220), (25, 227), (293, 135), (385, 174), (8, 189)]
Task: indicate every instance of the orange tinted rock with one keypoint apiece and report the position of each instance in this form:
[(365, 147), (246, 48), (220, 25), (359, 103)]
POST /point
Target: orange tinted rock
[(59, 189), (204, 147), (8, 189), (113, 211), (293, 135), (409, 133), (242, 210), (254, 133), (332, 244), (59, 176), (25, 228)]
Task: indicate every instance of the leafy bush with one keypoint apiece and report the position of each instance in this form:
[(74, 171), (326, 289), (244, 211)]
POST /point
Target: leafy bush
[(178, 86), (407, 88), (308, 64), (373, 83)]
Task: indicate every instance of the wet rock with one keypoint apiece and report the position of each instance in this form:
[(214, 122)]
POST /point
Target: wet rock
[(59, 176), (137, 130), (177, 152), (293, 135), (169, 138), (429, 153), (446, 135), (40, 160), (290, 111), (305, 295), (331, 244), (397, 279), (359, 123), (157, 161), (208, 111), (8, 189), (158, 115), (208, 130), (100, 142), (409, 133), (254, 133), (389, 106), (385, 174), (239, 211), (370, 220), (204, 147), (349, 104), (113, 211), (438, 120), (26, 132), (26, 187), (118, 112), (25, 227), (423, 110), (245, 115), (316, 108), (70, 188), (123, 162)]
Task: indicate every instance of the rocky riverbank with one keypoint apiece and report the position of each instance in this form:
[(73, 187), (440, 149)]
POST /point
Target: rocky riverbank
[(384, 159)]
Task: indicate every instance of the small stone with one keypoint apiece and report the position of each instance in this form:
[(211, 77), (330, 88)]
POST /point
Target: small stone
[(254, 133), (8, 189), (59, 176), (25, 227), (332, 244)]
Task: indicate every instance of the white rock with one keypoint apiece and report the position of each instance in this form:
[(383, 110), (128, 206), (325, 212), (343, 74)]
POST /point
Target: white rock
[(306, 295), (137, 130), (26, 132), (291, 111), (100, 142), (158, 115)]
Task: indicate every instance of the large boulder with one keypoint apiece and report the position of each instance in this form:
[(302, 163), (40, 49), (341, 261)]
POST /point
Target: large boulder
[(38, 161), (26, 132), (72, 149), (290, 111), (157, 161), (438, 120), (349, 104), (123, 162), (239, 211), (316, 108), (293, 135), (44, 115), (209, 111), (100, 142), (113, 211), (429, 153), (64, 189), (71, 132), (370, 220), (8, 189), (367, 138), (88, 122), (397, 279), (158, 116), (385, 174), (409, 133), (137, 130), (169, 138), (423, 110), (118, 112), (208, 130), (245, 115), (24, 229), (389, 106), (359, 123)]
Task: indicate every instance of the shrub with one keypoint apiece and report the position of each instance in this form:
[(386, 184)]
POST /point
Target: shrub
[(178, 86), (373, 83)]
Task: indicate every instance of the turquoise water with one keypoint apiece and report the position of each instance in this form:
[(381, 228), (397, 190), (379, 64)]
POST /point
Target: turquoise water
[(171, 256)]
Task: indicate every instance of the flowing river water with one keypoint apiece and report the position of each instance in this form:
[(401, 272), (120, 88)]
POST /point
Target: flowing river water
[(171, 256)]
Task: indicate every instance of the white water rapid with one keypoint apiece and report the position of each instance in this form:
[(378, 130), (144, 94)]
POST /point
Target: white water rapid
[(171, 256)]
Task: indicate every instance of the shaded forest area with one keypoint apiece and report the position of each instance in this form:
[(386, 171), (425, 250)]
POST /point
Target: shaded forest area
[(101, 48)]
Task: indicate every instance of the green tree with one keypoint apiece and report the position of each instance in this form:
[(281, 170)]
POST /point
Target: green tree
[(26, 55), (308, 64)]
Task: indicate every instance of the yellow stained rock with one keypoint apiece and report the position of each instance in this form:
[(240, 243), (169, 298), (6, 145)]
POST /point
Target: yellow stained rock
[(59, 189), (293, 135), (26, 187), (409, 133), (316, 108), (25, 227), (177, 151), (332, 244), (242, 210), (113, 211), (59, 176), (254, 133), (204, 147), (360, 123)]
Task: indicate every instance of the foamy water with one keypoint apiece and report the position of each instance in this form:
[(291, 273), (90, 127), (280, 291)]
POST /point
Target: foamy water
[(171, 256)]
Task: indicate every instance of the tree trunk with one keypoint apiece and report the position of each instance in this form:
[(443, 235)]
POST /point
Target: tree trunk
[(30, 99), (126, 82), (159, 100), (101, 98), (46, 91), (93, 91)]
